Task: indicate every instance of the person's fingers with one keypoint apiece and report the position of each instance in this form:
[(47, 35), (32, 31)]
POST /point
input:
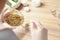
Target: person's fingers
[(10, 27), (32, 28), (1, 21), (38, 25), (35, 25), (1, 26)]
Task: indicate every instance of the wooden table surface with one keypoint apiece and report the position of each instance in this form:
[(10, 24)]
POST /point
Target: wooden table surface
[(43, 14)]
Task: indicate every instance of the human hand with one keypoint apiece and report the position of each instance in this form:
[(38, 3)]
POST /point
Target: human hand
[(4, 26), (38, 32)]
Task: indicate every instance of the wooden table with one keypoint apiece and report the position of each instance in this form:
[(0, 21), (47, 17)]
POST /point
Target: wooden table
[(43, 14)]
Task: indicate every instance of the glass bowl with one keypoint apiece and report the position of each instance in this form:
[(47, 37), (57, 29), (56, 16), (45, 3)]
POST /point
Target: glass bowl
[(12, 18)]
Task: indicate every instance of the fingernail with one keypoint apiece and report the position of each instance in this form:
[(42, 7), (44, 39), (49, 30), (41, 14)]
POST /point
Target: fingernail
[(34, 26)]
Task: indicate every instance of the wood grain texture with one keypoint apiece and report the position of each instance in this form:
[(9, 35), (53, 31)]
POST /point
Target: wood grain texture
[(43, 14)]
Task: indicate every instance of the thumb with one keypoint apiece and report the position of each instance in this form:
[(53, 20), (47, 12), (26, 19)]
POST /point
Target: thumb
[(35, 26)]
